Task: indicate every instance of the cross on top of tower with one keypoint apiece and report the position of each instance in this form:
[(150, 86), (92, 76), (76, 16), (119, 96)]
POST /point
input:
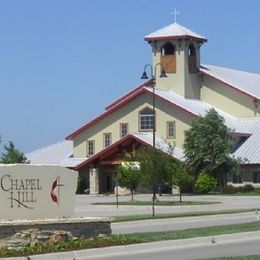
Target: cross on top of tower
[(175, 13)]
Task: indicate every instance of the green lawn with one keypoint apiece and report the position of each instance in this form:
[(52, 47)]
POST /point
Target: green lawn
[(132, 239), (157, 203), (178, 215)]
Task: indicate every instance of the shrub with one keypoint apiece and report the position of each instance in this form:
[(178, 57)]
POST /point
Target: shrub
[(205, 183), (248, 188), (230, 189)]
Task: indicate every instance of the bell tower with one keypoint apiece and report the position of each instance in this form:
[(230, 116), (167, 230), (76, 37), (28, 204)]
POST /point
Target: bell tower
[(177, 49)]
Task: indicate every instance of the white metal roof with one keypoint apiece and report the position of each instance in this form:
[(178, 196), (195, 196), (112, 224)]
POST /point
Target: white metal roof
[(250, 149), (160, 144), (173, 30), (55, 154), (244, 81), (198, 107)]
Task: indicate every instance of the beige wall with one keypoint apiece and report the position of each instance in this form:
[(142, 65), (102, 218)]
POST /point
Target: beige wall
[(129, 114), (181, 82), (226, 99)]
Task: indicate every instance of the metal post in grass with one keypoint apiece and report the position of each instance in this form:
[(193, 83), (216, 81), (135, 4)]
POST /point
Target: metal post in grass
[(153, 77)]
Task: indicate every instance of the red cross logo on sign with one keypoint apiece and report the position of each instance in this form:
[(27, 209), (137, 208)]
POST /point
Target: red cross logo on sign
[(55, 190)]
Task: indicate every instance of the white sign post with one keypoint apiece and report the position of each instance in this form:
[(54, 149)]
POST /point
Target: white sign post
[(36, 192)]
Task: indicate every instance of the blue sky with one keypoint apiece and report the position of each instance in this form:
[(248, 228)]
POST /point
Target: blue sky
[(63, 61)]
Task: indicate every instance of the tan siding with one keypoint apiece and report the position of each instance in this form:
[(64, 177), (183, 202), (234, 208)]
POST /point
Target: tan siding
[(129, 113), (226, 99)]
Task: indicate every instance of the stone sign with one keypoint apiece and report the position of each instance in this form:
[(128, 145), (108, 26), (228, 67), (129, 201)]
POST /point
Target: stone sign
[(36, 192)]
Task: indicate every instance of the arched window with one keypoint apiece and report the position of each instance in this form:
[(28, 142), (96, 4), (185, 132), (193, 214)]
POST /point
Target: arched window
[(146, 119), (168, 57), (168, 49), (192, 59)]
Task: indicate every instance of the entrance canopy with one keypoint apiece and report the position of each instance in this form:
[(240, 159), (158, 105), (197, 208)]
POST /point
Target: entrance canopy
[(113, 154)]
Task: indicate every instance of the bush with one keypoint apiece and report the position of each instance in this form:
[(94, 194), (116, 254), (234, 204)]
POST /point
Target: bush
[(205, 183), (230, 189), (248, 188)]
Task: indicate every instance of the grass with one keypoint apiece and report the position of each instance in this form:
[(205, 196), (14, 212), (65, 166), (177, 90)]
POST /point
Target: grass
[(178, 215), (157, 203), (130, 239)]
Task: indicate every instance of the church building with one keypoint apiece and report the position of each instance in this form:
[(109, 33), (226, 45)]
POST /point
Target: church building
[(180, 88)]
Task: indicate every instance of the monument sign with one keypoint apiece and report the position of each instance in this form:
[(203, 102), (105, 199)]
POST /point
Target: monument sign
[(36, 191)]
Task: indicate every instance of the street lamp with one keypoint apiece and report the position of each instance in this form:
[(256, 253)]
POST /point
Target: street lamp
[(153, 77)]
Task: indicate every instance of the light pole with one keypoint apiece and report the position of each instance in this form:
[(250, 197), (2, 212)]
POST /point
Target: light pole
[(153, 77)]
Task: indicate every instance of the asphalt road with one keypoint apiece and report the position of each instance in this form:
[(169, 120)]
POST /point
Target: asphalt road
[(181, 223), (85, 208)]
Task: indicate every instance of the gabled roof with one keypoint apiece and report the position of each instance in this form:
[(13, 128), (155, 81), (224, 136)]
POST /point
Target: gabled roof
[(55, 154), (197, 107), (245, 82), (191, 106), (144, 138), (132, 92), (250, 149), (173, 31)]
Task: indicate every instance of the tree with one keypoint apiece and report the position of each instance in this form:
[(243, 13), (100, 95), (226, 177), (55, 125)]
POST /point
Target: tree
[(155, 169), (129, 177), (180, 177), (207, 147), (12, 155)]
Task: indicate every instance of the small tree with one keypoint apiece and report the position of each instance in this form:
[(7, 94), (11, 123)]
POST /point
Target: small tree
[(129, 177), (180, 177), (12, 155), (80, 185), (155, 169)]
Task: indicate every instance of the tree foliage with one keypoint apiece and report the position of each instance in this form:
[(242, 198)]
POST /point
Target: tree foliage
[(207, 147), (129, 177), (205, 183), (12, 155), (155, 168), (180, 177)]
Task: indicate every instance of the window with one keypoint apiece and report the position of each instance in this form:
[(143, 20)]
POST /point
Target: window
[(91, 148), (237, 178), (192, 59), (170, 129), (168, 49), (146, 120), (107, 139), (256, 177), (123, 129)]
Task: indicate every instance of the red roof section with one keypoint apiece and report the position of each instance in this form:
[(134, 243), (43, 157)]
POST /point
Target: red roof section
[(106, 113), (147, 83), (118, 105)]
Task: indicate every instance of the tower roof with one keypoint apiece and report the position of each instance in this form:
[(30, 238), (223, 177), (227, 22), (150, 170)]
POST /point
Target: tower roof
[(173, 31)]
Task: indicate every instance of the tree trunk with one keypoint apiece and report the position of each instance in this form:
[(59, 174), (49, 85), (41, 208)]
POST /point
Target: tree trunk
[(222, 181), (154, 199), (132, 195), (180, 194)]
